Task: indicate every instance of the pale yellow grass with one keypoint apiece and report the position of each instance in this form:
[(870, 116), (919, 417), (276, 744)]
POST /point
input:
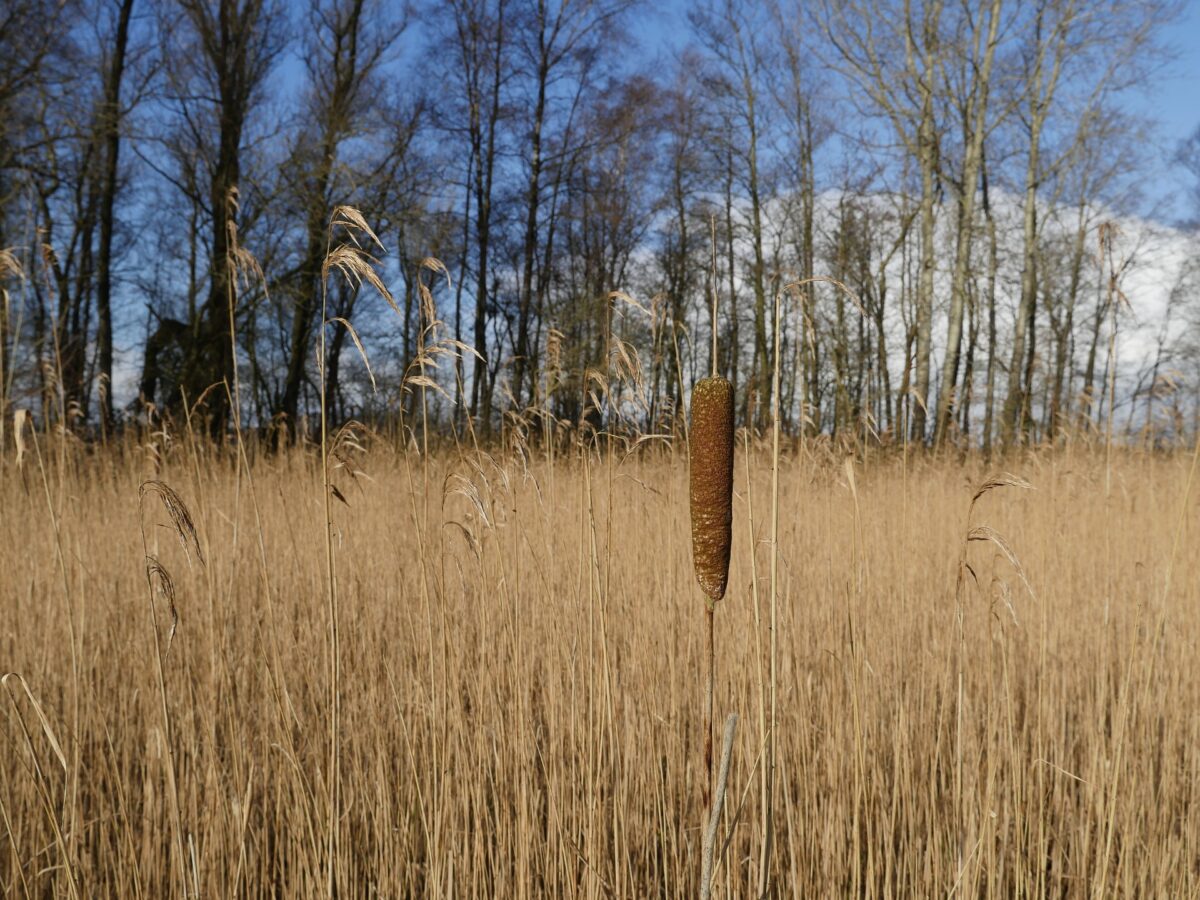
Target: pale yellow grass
[(521, 679)]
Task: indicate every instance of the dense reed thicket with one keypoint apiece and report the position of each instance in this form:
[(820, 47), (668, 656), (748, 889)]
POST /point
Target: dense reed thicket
[(521, 670)]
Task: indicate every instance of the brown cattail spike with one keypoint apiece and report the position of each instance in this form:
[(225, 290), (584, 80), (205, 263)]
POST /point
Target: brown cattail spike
[(712, 483)]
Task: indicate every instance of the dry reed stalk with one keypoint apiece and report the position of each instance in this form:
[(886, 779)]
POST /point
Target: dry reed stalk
[(768, 737), (68, 865), (158, 582), (9, 266), (357, 267), (714, 817)]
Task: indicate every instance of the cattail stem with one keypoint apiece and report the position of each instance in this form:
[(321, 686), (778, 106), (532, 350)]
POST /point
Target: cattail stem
[(710, 680), (712, 287), (708, 846)]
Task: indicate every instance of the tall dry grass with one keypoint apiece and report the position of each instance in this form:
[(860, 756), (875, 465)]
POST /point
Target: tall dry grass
[(521, 660)]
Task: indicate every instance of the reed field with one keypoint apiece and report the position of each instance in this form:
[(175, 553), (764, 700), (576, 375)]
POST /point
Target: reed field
[(510, 704), (723, 450)]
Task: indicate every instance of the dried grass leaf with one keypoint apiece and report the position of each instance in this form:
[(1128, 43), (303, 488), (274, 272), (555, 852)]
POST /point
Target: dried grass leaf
[(626, 298), (161, 580), (427, 382), (472, 544), (10, 265), (437, 266), (1002, 479), (353, 221), (358, 344), (20, 417), (356, 267), (989, 534), (37, 708), (178, 512)]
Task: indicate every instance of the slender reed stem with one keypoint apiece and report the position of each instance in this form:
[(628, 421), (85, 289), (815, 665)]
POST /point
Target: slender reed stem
[(710, 678), (332, 598), (764, 882), (714, 817)]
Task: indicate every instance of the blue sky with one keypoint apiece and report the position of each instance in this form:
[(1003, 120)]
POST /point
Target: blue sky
[(1174, 101)]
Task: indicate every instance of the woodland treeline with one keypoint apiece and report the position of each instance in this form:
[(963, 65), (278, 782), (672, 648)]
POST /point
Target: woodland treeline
[(589, 174)]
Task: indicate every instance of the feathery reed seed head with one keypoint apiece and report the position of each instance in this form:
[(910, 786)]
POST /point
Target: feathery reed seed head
[(712, 483)]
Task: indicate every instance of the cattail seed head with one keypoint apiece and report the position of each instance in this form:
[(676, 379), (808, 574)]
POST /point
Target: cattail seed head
[(712, 483)]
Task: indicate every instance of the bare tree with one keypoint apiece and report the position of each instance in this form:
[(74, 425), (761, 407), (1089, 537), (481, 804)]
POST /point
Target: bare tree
[(798, 91), (347, 42), (731, 31), (979, 32), (892, 56), (226, 48), (1075, 59), (111, 114), (482, 42), (560, 45)]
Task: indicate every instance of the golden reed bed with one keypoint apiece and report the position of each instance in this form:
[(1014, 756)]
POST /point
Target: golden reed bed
[(522, 668)]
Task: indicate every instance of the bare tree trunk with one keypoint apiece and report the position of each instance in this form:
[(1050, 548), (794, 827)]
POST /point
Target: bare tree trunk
[(1063, 328), (111, 126), (762, 368), (975, 115), (1040, 93), (237, 52), (533, 197), (927, 159), (1089, 374), (1014, 402), (881, 357), (968, 379), (731, 273), (484, 124), (992, 265)]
